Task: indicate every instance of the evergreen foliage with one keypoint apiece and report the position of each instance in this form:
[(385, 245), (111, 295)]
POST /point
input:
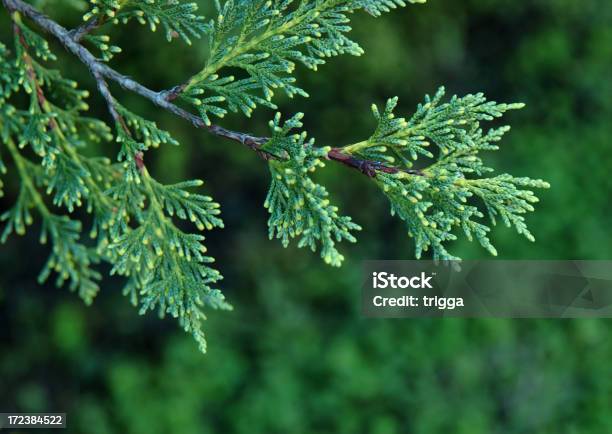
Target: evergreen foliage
[(139, 225), (178, 19), (265, 39), (434, 200), (298, 206)]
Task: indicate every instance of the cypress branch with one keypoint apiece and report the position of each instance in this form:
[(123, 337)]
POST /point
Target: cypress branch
[(429, 165)]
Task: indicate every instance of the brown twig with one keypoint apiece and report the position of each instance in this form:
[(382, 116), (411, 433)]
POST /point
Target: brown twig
[(366, 167), (174, 93), (163, 99)]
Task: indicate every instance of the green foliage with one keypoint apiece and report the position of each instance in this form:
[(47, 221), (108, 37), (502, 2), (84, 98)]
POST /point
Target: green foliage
[(298, 206), (166, 267), (140, 226), (9, 76), (52, 136), (377, 7), (461, 376), (435, 200), (101, 42), (264, 40), (70, 259), (131, 212), (452, 126), (177, 18), (144, 130), (136, 136)]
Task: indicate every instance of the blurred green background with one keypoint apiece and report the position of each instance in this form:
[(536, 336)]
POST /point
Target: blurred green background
[(296, 356)]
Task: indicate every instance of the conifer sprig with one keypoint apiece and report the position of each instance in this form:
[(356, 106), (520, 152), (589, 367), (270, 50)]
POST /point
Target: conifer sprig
[(266, 39), (434, 200), (298, 206), (429, 165), (451, 126), (70, 259), (177, 18), (132, 213), (167, 269)]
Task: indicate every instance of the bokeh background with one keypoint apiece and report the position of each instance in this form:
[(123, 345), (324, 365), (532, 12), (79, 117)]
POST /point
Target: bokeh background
[(295, 356)]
